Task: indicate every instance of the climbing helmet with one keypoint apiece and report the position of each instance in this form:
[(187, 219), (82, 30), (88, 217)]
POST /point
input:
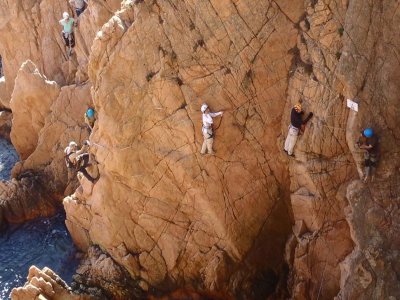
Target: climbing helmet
[(368, 132)]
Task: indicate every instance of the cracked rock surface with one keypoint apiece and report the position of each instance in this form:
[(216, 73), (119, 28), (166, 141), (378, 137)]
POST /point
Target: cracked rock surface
[(248, 222), (161, 210)]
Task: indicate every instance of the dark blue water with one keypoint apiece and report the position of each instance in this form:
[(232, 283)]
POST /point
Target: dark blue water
[(8, 158), (44, 242)]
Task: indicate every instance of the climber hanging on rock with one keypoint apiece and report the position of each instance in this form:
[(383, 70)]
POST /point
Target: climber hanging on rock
[(90, 118), (80, 160), (86, 164), (207, 129), (79, 6), (368, 141), (71, 149), (68, 33), (296, 127)]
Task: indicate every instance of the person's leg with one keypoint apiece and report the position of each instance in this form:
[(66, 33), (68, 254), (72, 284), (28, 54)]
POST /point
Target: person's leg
[(86, 174), (373, 167), (72, 39), (65, 38), (209, 143), (292, 140), (71, 174), (85, 159), (286, 147), (204, 146), (367, 170)]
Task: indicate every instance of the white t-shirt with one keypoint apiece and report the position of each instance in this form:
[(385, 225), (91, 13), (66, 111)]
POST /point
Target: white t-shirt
[(208, 119), (67, 25)]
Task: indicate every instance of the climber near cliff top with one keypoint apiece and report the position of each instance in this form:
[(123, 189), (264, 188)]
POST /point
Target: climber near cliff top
[(68, 33), (90, 118), (369, 142), (207, 128), (79, 5), (296, 127)]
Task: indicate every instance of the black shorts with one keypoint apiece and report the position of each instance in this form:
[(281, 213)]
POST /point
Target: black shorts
[(370, 163), (68, 38)]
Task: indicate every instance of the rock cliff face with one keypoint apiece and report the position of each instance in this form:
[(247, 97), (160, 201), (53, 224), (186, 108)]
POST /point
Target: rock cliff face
[(189, 217), (248, 221)]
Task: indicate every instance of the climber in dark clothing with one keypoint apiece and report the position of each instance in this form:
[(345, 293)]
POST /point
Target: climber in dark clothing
[(296, 127), (369, 142), (79, 160), (82, 162)]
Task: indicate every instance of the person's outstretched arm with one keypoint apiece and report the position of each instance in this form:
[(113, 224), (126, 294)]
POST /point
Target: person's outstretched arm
[(216, 114)]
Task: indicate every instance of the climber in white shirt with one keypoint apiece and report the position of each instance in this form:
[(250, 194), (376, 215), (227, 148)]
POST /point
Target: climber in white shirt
[(207, 129)]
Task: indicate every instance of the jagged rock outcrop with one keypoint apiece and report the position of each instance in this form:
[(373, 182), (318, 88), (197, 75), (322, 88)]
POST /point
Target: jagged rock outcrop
[(25, 198), (31, 100), (45, 118), (45, 284), (99, 269), (29, 30), (247, 221)]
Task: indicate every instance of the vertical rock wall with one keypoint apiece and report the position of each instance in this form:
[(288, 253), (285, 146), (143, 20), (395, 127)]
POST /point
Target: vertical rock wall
[(370, 71), (166, 213), (346, 49)]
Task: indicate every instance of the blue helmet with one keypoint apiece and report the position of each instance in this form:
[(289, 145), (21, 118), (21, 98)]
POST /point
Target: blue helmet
[(368, 132), (90, 112)]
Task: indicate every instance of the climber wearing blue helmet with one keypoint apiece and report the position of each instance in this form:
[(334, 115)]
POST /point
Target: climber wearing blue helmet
[(368, 132), (369, 142), (90, 112), (90, 118)]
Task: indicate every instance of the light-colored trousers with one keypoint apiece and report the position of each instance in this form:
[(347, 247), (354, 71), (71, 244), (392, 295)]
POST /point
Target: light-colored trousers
[(291, 139), (208, 142)]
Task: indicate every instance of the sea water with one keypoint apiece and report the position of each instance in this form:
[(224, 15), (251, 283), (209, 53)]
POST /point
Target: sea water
[(44, 242)]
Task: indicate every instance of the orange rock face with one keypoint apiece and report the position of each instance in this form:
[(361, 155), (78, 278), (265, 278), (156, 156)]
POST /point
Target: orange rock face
[(247, 221), (218, 219)]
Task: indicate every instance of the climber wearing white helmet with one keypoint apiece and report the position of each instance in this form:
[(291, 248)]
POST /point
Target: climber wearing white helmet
[(71, 153), (79, 6), (68, 34), (207, 129)]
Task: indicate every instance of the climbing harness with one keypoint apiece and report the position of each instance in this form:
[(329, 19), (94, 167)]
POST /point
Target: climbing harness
[(208, 131)]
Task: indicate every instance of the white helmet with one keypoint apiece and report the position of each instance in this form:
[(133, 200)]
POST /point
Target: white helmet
[(203, 107), (65, 15), (73, 144)]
